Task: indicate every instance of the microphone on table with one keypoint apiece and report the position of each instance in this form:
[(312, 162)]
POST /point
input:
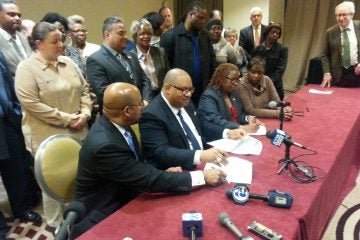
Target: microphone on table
[(274, 104), (225, 220), (73, 213), (192, 225), (240, 194), (279, 136)]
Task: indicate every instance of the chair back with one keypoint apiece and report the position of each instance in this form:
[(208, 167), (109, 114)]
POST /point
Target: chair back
[(56, 163)]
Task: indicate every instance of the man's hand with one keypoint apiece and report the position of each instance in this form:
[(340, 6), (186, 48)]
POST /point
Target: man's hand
[(236, 133), (288, 113), (214, 155), (250, 128), (326, 80), (357, 69), (174, 169), (214, 177)]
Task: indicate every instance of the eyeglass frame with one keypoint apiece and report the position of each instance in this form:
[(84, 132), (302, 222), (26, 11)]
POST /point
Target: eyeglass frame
[(184, 91), (233, 80), (79, 30)]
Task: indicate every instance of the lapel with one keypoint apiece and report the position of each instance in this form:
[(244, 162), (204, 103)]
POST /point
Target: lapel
[(223, 108), (9, 51), (155, 55), (118, 136), (336, 38), (357, 33), (24, 41), (116, 63)]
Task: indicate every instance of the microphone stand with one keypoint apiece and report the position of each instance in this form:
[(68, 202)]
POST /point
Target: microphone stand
[(281, 117), (286, 160), (193, 232)]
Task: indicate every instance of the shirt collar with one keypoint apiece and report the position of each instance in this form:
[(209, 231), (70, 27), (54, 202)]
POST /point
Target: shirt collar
[(121, 129), (350, 26), (139, 52), (44, 63), (172, 108)]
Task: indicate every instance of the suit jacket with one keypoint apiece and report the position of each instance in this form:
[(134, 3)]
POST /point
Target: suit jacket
[(331, 58), (161, 63), (10, 53), (246, 40), (10, 112), (213, 108), (103, 69), (163, 139), (108, 172)]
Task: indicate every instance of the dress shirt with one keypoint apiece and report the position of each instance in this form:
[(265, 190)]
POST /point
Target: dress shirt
[(353, 43), (147, 64), (197, 177)]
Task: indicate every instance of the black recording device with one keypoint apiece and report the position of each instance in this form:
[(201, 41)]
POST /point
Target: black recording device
[(240, 194)]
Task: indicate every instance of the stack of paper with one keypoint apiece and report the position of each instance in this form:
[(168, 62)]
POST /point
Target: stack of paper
[(247, 145)]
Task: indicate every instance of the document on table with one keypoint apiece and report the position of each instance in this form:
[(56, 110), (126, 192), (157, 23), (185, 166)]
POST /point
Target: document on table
[(261, 131), (311, 90), (247, 145), (238, 170)]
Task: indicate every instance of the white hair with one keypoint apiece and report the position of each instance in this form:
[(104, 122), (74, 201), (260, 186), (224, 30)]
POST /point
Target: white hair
[(255, 9), (347, 5)]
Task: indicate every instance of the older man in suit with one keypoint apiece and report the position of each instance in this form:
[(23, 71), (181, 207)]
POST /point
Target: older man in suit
[(253, 35), (15, 161), (340, 59), (111, 64), (14, 44), (111, 171), (171, 132)]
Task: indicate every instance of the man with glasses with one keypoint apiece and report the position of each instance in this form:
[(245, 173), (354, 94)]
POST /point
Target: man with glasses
[(13, 43), (111, 171), (171, 132), (111, 64), (340, 59), (251, 36)]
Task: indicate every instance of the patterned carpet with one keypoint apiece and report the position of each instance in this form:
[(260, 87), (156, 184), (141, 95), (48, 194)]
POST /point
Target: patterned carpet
[(27, 230)]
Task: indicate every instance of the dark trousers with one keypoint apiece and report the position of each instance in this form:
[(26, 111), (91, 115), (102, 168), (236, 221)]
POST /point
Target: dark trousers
[(348, 78)]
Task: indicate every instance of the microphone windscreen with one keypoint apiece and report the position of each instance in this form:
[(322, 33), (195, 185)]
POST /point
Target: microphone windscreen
[(223, 217), (77, 207), (272, 104), (228, 193)]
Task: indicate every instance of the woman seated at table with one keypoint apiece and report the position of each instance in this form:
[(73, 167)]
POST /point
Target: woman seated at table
[(153, 60), (256, 91), (219, 105), (224, 52)]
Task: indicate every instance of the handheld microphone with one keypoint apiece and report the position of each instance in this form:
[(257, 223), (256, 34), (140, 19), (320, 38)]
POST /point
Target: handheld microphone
[(73, 213), (240, 194), (225, 220), (273, 104), (192, 225), (278, 137)]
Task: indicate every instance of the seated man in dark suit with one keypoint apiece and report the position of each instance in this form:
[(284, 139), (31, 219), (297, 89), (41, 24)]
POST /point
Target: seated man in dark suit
[(170, 130), (110, 171), (111, 64)]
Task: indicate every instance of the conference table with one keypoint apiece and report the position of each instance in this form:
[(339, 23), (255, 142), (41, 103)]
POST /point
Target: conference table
[(326, 123)]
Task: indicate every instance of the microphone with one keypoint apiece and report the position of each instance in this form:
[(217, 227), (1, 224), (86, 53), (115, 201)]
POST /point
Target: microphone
[(73, 213), (274, 104), (240, 194), (192, 225), (225, 220), (278, 137)]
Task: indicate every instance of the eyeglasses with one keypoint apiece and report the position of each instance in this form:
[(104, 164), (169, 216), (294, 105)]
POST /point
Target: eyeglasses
[(141, 104), (234, 80), (80, 31), (184, 91), (342, 15)]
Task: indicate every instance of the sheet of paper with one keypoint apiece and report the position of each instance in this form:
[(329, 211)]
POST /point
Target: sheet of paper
[(260, 132), (311, 90), (238, 170), (247, 145)]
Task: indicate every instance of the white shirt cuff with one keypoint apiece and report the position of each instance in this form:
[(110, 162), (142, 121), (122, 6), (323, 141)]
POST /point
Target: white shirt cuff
[(197, 157), (197, 178), (225, 133)]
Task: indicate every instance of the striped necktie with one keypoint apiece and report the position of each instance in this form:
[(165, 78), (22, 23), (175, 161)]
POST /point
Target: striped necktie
[(189, 134), (130, 141), (125, 64)]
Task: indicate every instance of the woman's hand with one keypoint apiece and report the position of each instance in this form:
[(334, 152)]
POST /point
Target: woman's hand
[(78, 121)]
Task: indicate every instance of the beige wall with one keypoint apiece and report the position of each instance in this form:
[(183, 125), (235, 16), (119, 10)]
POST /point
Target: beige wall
[(94, 11)]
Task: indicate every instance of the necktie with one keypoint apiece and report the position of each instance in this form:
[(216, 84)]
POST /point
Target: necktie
[(189, 134), (346, 49), (130, 141), (19, 53), (257, 37), (125, 64)]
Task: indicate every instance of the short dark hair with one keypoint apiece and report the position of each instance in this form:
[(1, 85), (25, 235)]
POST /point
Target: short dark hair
[(110, 21), (193, 7), (256, 61), (271, 26), (53, 17), (155, 19)]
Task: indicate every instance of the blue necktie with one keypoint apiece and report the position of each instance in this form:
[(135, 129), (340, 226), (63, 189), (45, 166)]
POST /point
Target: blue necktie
[(130, 141), (189, 134), (125, 64)]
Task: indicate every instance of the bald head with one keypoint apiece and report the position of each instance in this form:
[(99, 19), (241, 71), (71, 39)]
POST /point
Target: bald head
[(117, 97), (177, 87)]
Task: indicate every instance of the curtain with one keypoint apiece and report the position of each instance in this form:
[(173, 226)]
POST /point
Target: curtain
[(305, 26)]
